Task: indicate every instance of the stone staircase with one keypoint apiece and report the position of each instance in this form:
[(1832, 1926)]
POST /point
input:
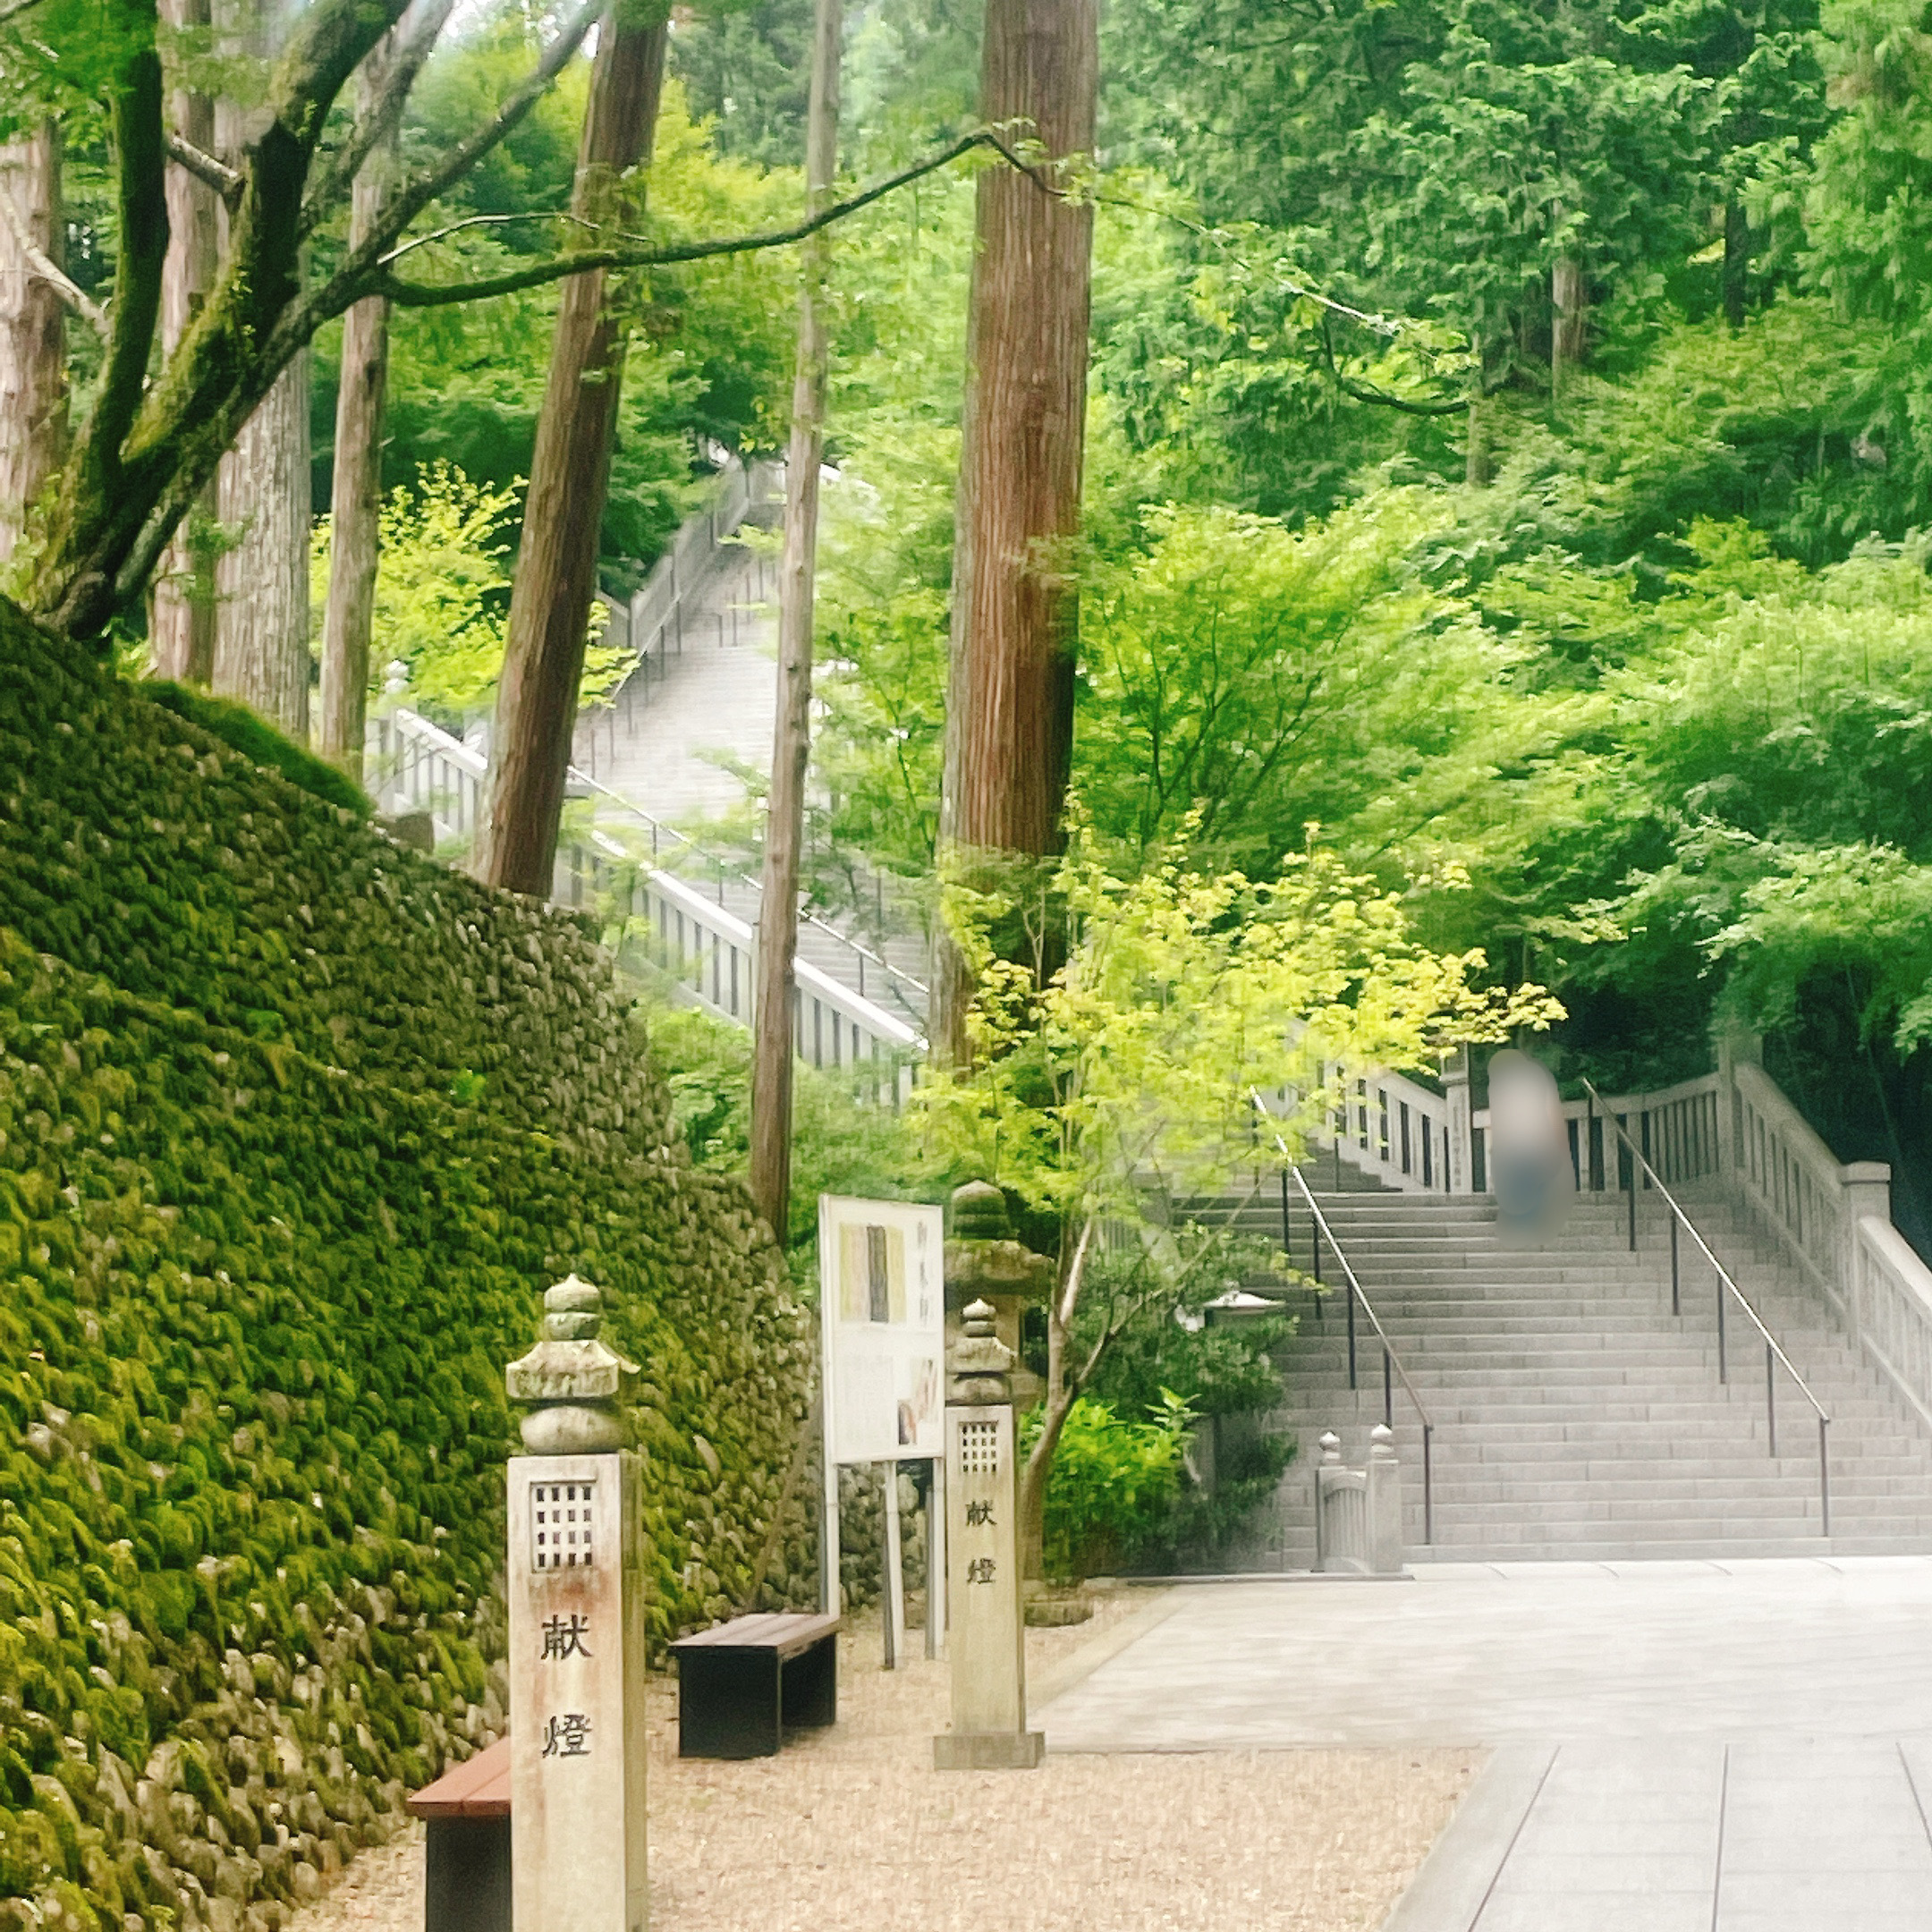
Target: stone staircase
[(1575, 1415)]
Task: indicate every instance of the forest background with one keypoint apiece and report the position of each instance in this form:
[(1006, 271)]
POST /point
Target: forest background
[(1509, 450)]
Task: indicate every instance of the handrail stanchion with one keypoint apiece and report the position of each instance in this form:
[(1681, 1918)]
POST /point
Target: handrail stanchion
[(1351, 1328), (1429, 1484), (1726, 1288), (1723, 1366), (1633, 1188), (1391, 1367), (1675, 1308)]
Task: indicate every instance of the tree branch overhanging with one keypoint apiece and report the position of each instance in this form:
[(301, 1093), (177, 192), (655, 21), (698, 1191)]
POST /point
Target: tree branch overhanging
[(402, 58), (1382, 398), (226, 181), (70, 293), (636, 252)]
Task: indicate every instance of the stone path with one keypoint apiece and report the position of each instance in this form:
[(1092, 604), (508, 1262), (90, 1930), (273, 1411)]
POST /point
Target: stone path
[(852, 1830), (717, 695), (1740, 1746)]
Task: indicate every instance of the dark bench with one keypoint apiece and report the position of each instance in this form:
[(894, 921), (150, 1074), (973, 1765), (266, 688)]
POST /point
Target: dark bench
[(466, 1867), (743, 1685)]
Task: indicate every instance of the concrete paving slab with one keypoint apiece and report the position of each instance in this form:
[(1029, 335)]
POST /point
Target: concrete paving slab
[(1736, 1747)]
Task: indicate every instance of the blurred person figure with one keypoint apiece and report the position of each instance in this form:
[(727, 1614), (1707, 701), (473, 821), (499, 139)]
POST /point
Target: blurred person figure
[(1529, 1147)]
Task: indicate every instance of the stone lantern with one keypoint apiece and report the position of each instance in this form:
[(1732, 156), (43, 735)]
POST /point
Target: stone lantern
[(987, 1638), (575, 1580), (984, 1263)]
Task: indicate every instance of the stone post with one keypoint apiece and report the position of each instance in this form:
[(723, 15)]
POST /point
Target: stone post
[(575, 1581), (985, 1264), (1733, 1049), (1385, 1504), (987, 1638), (1867, 1189), (1462, 1129)]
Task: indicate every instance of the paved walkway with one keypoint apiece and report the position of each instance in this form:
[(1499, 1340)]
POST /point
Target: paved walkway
[(1743, 1747), (676, 729)]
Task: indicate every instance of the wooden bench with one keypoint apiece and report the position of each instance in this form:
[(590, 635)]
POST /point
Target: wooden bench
[(744, 1684), (466, 1867)]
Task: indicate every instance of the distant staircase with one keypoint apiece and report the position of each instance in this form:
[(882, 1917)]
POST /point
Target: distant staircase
[(1574, 1416), (1573, 1413)]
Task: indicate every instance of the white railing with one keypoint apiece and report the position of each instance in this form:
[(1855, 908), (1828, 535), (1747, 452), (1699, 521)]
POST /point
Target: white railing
[(1677, 1129), (651, 625), (709, 955), (1833, 1221), (705, 950), (1394, 1129)]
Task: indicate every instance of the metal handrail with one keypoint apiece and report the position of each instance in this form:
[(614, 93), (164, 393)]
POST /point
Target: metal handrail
[(1390, 1360), (1775, 1355), (472, 761), (724, 867)]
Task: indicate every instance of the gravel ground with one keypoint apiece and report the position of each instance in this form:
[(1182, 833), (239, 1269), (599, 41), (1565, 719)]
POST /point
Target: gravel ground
[(850, 1829)]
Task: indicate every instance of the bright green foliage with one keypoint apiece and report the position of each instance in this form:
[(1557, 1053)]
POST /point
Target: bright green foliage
[(443, 598), (294, 1128), (1262, 680), (1114, 1488), (1182, 995)]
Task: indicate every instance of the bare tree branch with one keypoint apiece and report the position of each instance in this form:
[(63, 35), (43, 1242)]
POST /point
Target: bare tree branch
[(42, 265), (402, 59), (1382, 398), (351, 280), (637, 252), (226, 181)]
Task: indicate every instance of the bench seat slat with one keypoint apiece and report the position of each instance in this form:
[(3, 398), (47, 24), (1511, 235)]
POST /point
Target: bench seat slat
[(785, 1631), (478, 1787)]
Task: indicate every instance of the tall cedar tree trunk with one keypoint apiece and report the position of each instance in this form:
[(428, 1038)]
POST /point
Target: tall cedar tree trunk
[(355, 501), (263, 499), (1736, 263), (570, 475), (784, 813), (33, 349), (1009, 696), (1568, 335), (181, 612)]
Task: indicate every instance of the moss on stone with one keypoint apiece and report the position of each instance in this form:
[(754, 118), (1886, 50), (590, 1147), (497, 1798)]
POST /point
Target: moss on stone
[(294, 1129)]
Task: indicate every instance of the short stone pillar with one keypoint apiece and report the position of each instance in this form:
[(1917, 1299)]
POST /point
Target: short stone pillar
[(987, 1635), (1385, 1504), (1358, 1513), (575, 1580), (1460, 1178)]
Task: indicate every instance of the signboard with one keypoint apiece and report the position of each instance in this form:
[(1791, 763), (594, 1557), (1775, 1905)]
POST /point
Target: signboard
[(882, 1306)]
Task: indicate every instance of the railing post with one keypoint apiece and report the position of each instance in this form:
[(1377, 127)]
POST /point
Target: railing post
[(1723, 1375), (1388, 1389), (1632, 1151), (1352, 1334), (1675, 1308), (1771, 1397), (1865, 1188), (1460, 1177), (1825, 1474), (1383, 1501), (1733, 1049), (1429, 1483)]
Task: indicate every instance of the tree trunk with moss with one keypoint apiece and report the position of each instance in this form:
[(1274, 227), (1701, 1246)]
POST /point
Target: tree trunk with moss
[(33, 356), (181, 612), (569, 473), (355, 503), (263, 499), (1010, 696)]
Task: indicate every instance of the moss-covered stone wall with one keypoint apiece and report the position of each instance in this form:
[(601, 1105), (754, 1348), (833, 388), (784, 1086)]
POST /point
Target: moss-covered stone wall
[(277, 1201)]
